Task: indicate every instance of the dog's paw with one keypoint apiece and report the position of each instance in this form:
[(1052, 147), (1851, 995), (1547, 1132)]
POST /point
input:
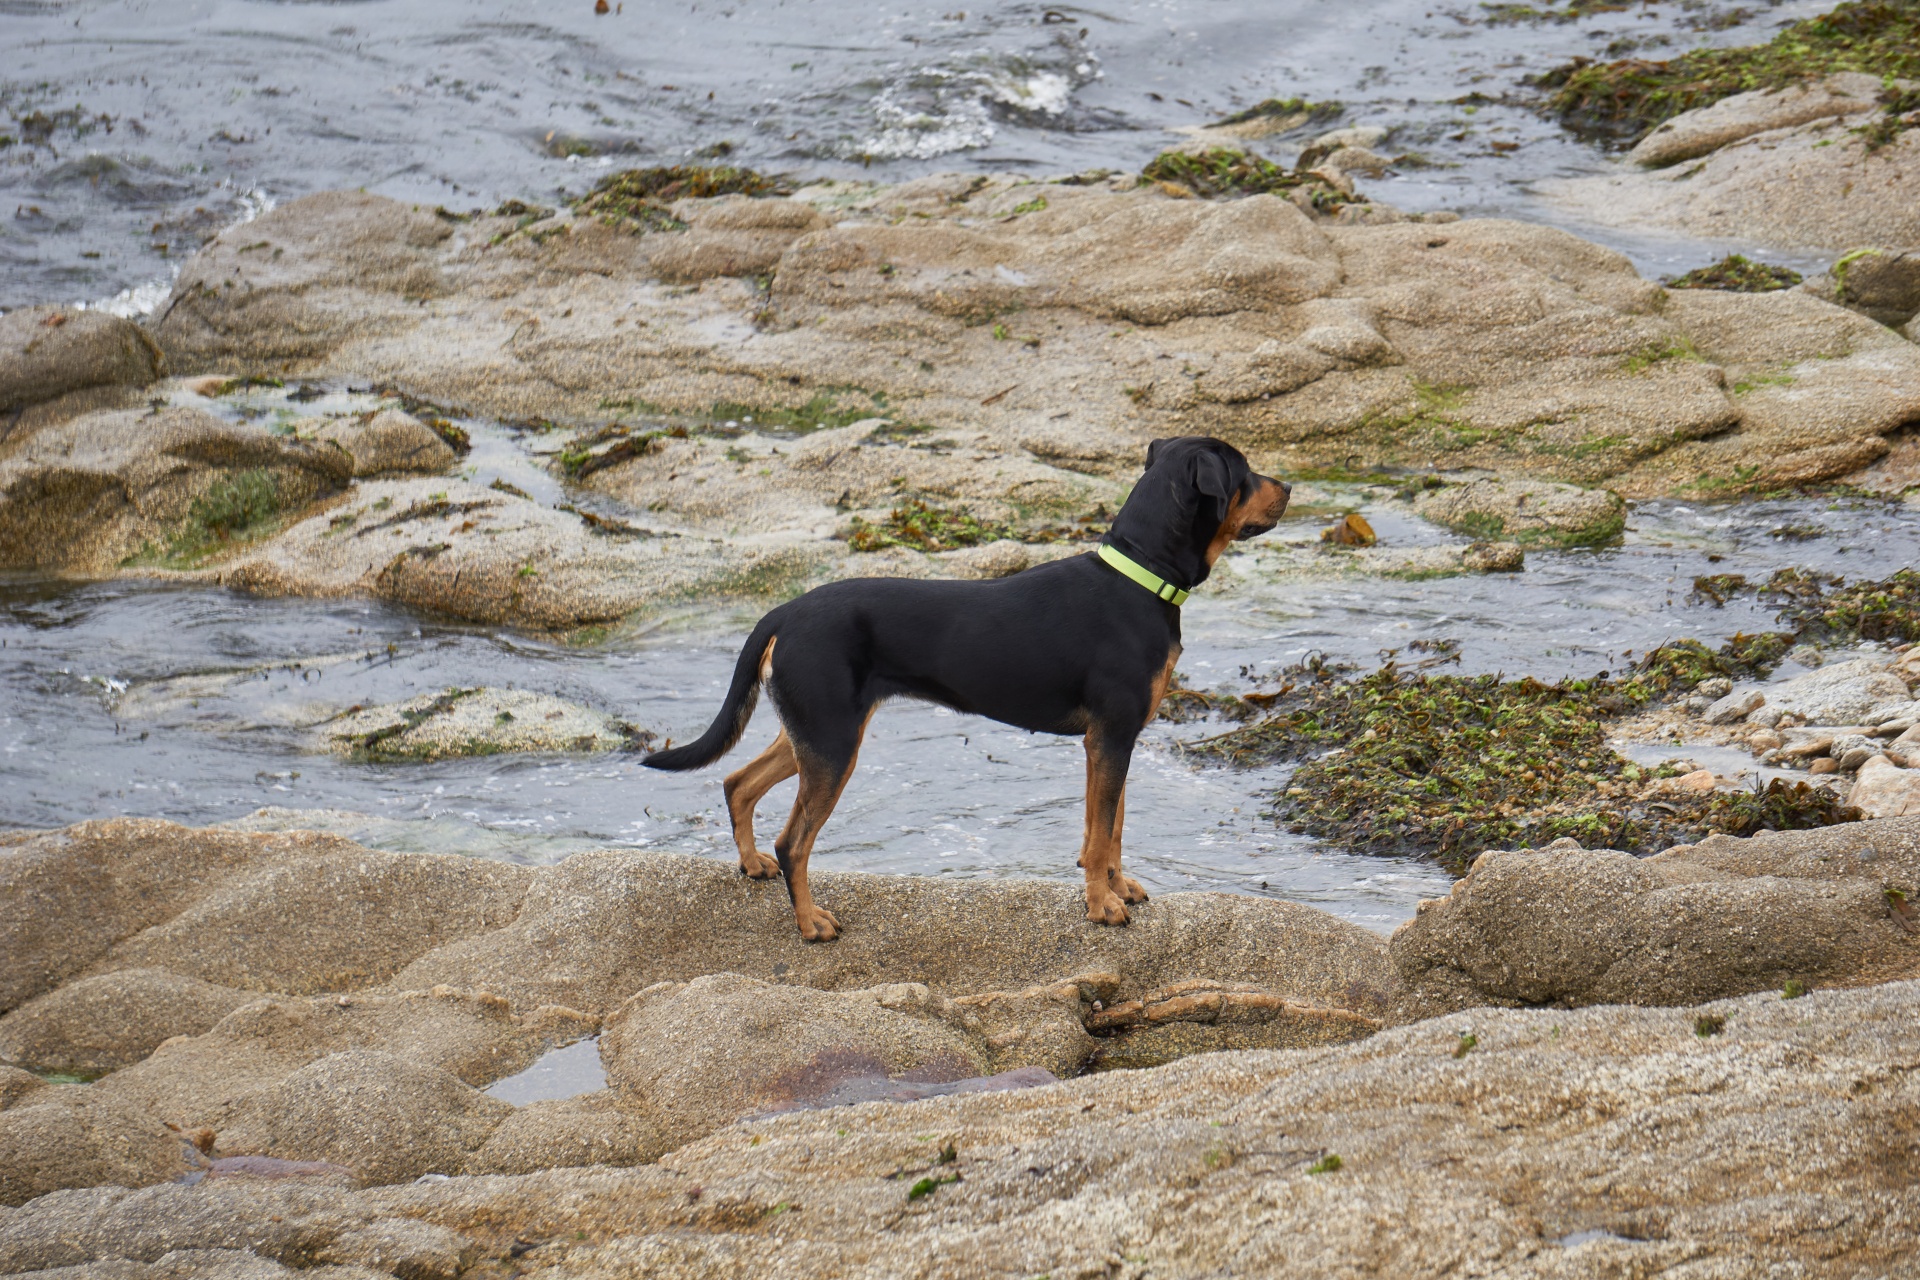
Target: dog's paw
[(759, 866), (817, 925), (1129, 889), (1105, 908)]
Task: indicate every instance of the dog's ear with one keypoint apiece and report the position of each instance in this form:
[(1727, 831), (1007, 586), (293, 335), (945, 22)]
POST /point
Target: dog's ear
[(1153, 452), (1212, 477)]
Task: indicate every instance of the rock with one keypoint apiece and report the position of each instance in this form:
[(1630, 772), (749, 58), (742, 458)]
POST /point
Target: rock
[(695, 1056), (71, 1137), (1852, 750), (1841, 693), (1881, 284), (1487, 344), (1884, 790), (1200, 1167), (56, 362), (477, 722), (387, 441), (290, 913), (1733, 707), (452, 547), (302, 277), (1494, 557), (89, 493), (1697, 781), (1722, 917), (1809, 185), (593, 1128), (97, 1025), (1893, 712), (1526, 512), (1696, 133), (1764, 740), (385, 1117), (1714, 687), (17, 1085), (1351, 531), (1824, 765), (627, 920)]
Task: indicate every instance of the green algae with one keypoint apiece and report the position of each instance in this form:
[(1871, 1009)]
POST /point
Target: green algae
[(1625, 100), (636, 199), (922, 526), (1736, 273)]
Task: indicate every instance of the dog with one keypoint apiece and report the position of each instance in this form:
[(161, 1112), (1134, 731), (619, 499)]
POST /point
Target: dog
[(1082, 646)]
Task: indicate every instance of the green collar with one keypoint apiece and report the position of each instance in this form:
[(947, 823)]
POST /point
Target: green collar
[(1145, 577)]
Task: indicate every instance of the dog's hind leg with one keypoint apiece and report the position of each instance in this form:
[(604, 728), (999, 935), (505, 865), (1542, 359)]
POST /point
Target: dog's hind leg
[(822, 778), (744, 788), (1108, 756)]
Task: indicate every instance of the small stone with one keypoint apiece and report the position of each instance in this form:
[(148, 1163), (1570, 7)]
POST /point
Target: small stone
[(1885, 790), (1855, 758), (1698, 780), (1763, 741), (1806, 655), (1352, 531), (1734, 706), (1825, 764), (1714, 687), (1494, 557)]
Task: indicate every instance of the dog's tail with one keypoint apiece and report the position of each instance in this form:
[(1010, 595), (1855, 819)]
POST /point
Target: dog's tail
[(731, 722)]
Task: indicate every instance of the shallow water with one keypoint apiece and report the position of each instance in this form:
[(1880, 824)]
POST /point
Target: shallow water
[(142, 126), (202, 705)]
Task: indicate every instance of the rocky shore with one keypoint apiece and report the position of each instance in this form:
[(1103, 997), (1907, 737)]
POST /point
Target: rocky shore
[(289, 1038)]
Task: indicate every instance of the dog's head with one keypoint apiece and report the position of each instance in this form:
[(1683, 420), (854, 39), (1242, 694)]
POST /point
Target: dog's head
[(1196, 495)]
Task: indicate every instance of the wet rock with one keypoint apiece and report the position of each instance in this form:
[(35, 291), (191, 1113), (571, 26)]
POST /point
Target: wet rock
[(92, 492), (477, 722), (387, 441), (1565, 926), (1351, 531), (1881, 284), (1842, 693), (1767, 1089), (1884, 790), (731, 236), (1494, 557), (1692, 134), (16, 1085), (459, 549), (1814, 184), (1199, 1016), (1526, 511), (385, 1117), (1734, 707), (97, 1025), (695, 1056), (56, 362)]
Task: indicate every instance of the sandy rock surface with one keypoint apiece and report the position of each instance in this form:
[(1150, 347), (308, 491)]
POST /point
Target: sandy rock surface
[(476, 722), (56, 362), (1841, 693), (1056, 340), (1568, 926), (1808, 186), (1752, 1136)]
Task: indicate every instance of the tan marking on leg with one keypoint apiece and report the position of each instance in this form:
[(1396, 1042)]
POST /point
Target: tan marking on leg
[(1100, 847), (1161, 683), (1129, 889), (744, 789), (819, 792)]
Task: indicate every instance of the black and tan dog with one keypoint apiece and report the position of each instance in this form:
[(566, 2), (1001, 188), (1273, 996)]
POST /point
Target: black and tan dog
[(1080, 646)]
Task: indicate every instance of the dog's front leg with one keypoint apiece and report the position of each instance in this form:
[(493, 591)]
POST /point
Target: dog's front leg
[(1108, 756)]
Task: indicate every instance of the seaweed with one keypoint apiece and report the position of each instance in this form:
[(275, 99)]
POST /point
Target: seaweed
[(637, 198), (1402, 761), (1625, 100), (1899, 112), (1737, 274), (1286, 113), (1224, 172), (922, 527)]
